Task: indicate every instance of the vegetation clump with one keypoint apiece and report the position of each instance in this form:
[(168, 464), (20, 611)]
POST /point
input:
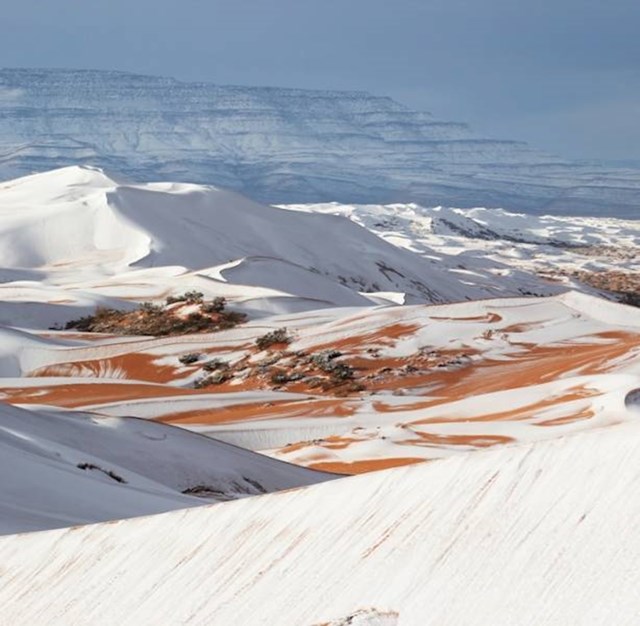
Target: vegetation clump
[(158, 320), (342, 372), (215, 364), (326, 360), (280, 377), (274, 337), (110, 473), (188, 359), (188, 297), (217, 305), (217, 378)]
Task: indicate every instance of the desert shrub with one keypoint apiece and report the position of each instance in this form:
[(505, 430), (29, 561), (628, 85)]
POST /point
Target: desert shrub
[(229, 319), (281, 377), (341, 371), (110, 473), (194, 297), (273, 337), (217, 305), (325, 360), (189, 297), (188, 359), (153, 320), (150, 307), (90, 323), (217, 378), (215, 364)]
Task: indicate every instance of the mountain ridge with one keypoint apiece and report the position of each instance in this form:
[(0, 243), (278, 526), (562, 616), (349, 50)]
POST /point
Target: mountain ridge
[(281, 145)]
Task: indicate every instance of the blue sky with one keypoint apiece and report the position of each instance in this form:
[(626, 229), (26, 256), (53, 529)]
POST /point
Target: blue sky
[(563, 75)]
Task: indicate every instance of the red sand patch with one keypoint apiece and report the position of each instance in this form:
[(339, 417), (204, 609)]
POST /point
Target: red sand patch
[(534, 365), (132, 366), (522, 413), (86, 394), (475, 441), (585, 414), (349, 468), (381, 337), (262, 411)]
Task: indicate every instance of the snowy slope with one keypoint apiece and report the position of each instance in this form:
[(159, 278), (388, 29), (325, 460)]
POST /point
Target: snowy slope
[(142, 241), (541, 534), (498, 245), (286, 145), (62, 469)]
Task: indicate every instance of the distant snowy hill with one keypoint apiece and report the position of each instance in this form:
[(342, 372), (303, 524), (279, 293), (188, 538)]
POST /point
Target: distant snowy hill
[(286, 145), (484, 241)]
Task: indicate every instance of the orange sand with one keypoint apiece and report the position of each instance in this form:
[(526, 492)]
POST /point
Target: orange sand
[(85, 394), (361, 467), (262, 411)]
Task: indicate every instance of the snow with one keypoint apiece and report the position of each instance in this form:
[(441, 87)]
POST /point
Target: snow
[(553, 365), (505, 370), (501, 247), (132, 467), (550, 384), (142, 241), (534, 534), (149, 240)]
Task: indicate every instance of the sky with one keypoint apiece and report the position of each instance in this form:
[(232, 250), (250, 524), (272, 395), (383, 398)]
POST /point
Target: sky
[(563, 75)]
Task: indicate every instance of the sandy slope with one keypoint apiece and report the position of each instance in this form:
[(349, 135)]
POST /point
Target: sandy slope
[(526, 408), (435, 381), (134, 242), (535, 534)]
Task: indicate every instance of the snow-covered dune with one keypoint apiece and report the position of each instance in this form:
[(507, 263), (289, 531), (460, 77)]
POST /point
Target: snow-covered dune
[(514, 251), (420, 382), (144, 240), (62, 469), (540, 534)]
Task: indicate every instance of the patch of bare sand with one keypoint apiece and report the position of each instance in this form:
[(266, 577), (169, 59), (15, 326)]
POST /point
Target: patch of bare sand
[(86, 394), (131, 366), (249, 412), (349, 468)]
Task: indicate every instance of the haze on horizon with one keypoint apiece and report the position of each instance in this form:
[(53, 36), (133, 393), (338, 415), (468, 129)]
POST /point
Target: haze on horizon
[(561, 75)]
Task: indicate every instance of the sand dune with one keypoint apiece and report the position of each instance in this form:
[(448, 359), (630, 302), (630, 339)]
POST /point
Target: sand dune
[(425, 382), (535, 534)]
